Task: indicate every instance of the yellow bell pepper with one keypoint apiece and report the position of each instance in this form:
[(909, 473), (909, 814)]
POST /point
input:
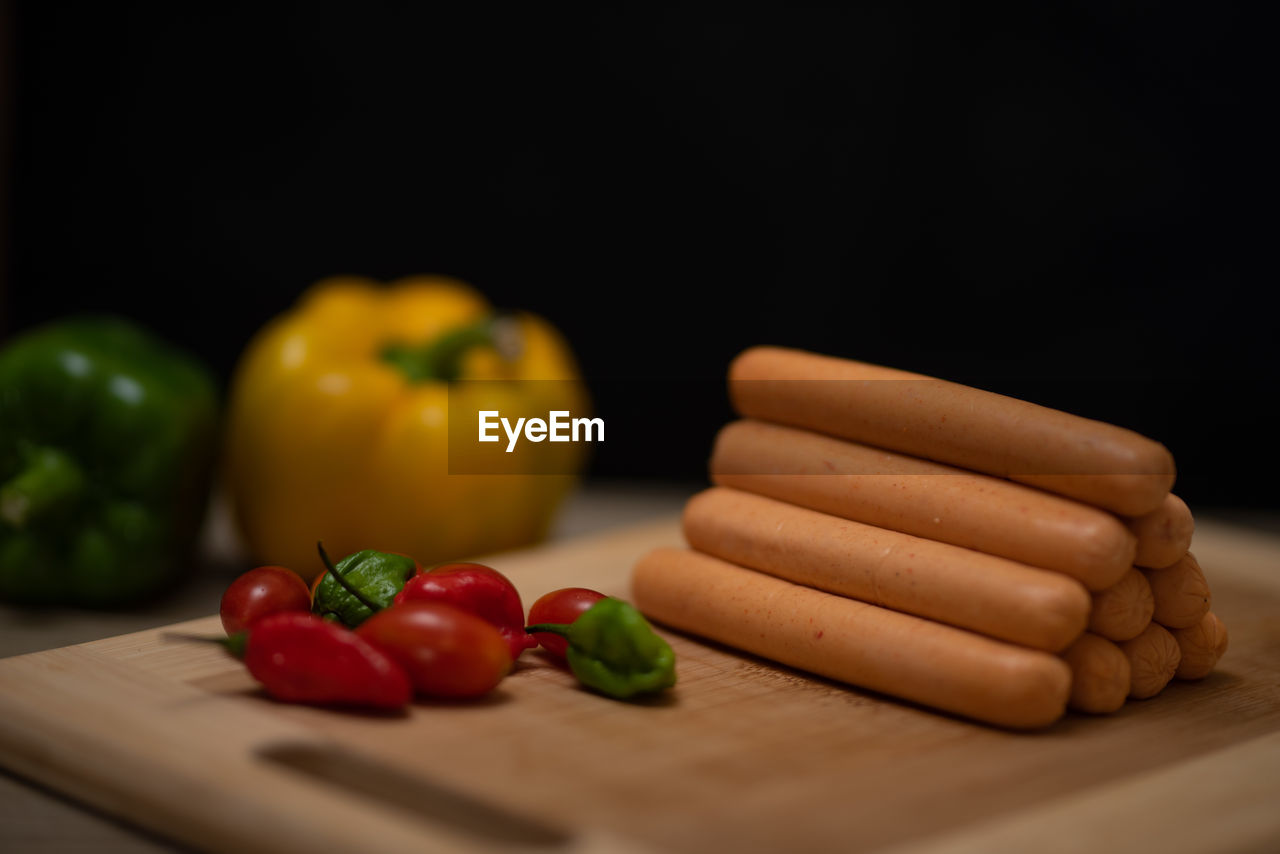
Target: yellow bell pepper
[(339, 425)]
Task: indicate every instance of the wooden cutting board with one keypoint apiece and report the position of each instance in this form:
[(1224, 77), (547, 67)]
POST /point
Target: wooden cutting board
[(743, 755)]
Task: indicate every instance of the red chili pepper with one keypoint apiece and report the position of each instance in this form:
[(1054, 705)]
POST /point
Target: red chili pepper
[(301, 658)]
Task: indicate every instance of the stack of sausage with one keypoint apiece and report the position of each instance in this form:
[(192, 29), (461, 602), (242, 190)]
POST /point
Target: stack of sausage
[(950, 546)]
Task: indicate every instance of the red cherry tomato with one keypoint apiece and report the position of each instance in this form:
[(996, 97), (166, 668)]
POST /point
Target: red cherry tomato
[(260, 593), (560, 606), (446, 651), (476, 589)]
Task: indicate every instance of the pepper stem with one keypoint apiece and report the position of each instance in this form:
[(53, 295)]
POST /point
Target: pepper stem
[(441, 359), (343, 583), (561, 629), (49, 480)]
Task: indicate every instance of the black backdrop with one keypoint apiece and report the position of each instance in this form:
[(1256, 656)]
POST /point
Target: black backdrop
[(1058, 204)]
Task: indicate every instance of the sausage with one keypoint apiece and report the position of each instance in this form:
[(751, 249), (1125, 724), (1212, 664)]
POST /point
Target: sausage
[(897, 654), (1098, 463), (1201, 645), (1123, 610), (1100, 675), (975, 591), (1153, 659), (1164, 534), (924, 498), (1181, 593)]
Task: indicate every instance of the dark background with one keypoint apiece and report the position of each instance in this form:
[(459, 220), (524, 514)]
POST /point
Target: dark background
[(1065, 205)]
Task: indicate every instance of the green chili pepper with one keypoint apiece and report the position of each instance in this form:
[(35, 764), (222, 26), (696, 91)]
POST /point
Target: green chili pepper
[(372, 580), (613, 649), (107, 439)]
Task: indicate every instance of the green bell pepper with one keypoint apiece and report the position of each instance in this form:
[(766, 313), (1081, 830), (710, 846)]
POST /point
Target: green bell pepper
[(106, 451), (613, 649)]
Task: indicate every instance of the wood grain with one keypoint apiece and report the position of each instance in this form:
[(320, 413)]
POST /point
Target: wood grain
[(743, 754)]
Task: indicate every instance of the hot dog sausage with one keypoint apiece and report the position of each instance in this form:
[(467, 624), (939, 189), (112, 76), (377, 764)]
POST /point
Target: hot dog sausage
[(1098, 463), (1153, 659), (965, 588), (1181, 593), (1202, 645), (1123, 610), (923, 498), (1100, 675), (851, 641), (1164, 534)]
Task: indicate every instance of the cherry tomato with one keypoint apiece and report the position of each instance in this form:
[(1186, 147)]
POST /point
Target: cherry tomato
[(476, 589), (260, 593), (560, 606), (446, 651)]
